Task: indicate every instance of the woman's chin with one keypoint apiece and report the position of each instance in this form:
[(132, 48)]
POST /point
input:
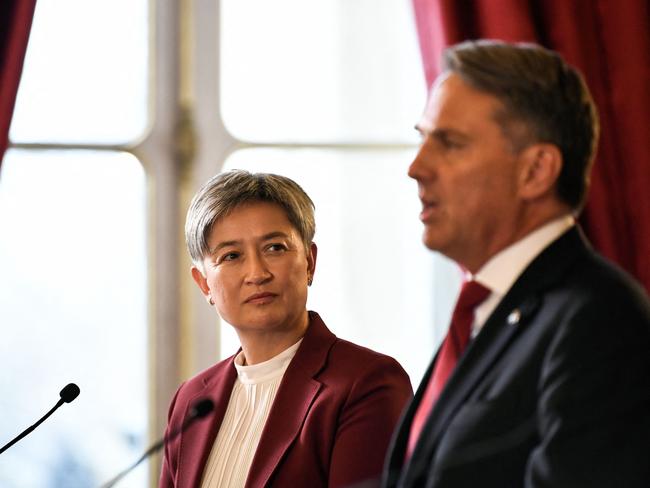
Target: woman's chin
[(267, 321)]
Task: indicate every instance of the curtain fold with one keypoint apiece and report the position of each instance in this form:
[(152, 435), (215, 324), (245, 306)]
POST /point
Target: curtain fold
[(609, 41), (15, 23)]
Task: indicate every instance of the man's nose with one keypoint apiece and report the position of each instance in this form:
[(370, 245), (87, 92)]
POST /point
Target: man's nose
[(422, 165)]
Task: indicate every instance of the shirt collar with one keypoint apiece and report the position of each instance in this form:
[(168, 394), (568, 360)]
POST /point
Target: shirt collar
[(503, 269), (271, 368)]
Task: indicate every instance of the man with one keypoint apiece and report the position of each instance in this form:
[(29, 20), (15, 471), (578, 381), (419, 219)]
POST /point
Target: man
[(547, 383)]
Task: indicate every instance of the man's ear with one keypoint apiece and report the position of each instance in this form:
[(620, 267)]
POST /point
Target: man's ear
[(200, 280), (311, 259), (540, 170)]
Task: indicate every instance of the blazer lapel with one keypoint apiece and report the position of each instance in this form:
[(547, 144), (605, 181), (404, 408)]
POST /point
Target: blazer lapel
[(292, 402), (197, 441), (510, 317), (282, 427)]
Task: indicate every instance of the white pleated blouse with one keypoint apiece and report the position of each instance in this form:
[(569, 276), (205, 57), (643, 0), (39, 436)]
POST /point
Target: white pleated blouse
[(249, 406)]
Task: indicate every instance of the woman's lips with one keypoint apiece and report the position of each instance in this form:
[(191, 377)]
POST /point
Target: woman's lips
[(260, 298)]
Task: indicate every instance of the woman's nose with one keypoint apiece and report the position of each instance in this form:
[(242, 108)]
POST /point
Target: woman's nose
[(257, 271)]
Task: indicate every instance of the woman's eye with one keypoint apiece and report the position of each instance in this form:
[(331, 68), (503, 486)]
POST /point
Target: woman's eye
[(231, 256), (277, 247)]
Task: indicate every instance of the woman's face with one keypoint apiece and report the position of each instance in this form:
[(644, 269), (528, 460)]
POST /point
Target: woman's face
[(257, 270)]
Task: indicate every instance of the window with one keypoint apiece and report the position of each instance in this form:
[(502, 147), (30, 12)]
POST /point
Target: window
[(73, 261), (327, 93), (116, 126)]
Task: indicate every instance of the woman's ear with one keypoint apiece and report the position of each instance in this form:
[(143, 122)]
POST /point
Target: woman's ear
[(201, 281), (311, 260), (542, 163)]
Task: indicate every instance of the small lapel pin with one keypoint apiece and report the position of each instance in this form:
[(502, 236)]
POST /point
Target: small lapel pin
[(513, 318)]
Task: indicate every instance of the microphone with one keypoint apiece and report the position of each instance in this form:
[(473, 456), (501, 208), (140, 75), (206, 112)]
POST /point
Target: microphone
[(69, 393), (200, 409)]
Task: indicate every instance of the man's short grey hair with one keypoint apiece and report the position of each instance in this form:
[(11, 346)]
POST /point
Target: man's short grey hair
[(539, 89), (226, 191)]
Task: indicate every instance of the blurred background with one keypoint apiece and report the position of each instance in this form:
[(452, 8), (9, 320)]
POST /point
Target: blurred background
[(124, 109)]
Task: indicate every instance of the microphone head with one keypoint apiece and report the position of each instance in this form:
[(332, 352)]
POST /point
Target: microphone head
[(201, 408), (69, 392)]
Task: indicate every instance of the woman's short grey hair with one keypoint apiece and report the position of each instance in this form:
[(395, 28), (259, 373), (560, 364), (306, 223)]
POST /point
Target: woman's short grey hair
[(226, 191)]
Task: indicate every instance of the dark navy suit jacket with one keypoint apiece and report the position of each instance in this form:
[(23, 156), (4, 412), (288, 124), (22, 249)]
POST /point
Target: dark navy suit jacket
[(553, 392)]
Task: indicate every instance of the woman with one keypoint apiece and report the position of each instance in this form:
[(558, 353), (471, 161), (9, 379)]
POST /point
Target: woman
[(296, 406)]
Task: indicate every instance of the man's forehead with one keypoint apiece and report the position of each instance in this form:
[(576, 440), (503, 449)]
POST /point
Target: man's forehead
[(452, 97), (424, 124), (442, 77)]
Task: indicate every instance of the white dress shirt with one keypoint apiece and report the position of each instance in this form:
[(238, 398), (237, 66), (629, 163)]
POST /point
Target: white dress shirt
[(503, 269)]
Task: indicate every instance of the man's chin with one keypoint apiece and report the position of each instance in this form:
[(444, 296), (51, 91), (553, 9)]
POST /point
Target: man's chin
[(431, 240)]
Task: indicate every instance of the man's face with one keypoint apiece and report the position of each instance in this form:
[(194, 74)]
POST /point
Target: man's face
[(467, 174)]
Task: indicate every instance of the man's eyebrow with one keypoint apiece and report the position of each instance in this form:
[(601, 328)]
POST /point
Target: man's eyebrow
[(440, 132), (426, 129)]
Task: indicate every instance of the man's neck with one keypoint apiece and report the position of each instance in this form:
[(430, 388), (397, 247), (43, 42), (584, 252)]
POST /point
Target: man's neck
[(530, 219)]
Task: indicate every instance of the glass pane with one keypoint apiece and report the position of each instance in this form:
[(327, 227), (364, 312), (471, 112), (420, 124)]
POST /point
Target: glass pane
[(320, 71), (375, 282), (85, 73), (73, 309)]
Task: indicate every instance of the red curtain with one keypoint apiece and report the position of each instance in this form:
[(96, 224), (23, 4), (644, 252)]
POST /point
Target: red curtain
[(609, 41), (15, 22)]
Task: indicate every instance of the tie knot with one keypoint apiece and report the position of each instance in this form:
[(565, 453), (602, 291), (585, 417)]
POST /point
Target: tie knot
[(471, 294)]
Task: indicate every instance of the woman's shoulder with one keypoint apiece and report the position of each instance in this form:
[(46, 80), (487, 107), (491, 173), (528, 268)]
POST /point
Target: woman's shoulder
[(217, 372), (345, 355), (351, 353), (360, 370)]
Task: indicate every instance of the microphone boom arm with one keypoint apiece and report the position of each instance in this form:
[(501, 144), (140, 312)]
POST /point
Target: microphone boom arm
[(200, 409), (30, 429), (67, 394)]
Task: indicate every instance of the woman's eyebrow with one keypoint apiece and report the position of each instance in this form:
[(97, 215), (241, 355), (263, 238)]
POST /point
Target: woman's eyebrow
[(265, 237), (273, 235), (223, 244)]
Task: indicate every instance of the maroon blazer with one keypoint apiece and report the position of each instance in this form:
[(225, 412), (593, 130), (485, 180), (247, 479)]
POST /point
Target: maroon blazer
[(330, 423)]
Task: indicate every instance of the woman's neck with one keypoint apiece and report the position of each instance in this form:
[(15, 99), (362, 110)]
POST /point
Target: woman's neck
[(259, 346)]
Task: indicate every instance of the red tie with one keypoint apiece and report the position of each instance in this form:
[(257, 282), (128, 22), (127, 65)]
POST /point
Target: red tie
[(471, 295)]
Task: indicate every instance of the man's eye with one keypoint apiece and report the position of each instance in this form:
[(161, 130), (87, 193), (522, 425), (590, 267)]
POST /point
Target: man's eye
[(447, 141), (450, 143)]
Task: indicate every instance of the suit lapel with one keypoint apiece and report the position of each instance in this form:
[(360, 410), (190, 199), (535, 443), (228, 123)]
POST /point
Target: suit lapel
[(496, 336), (397, 447), (514, 312), (197, 441), (292, 402)]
